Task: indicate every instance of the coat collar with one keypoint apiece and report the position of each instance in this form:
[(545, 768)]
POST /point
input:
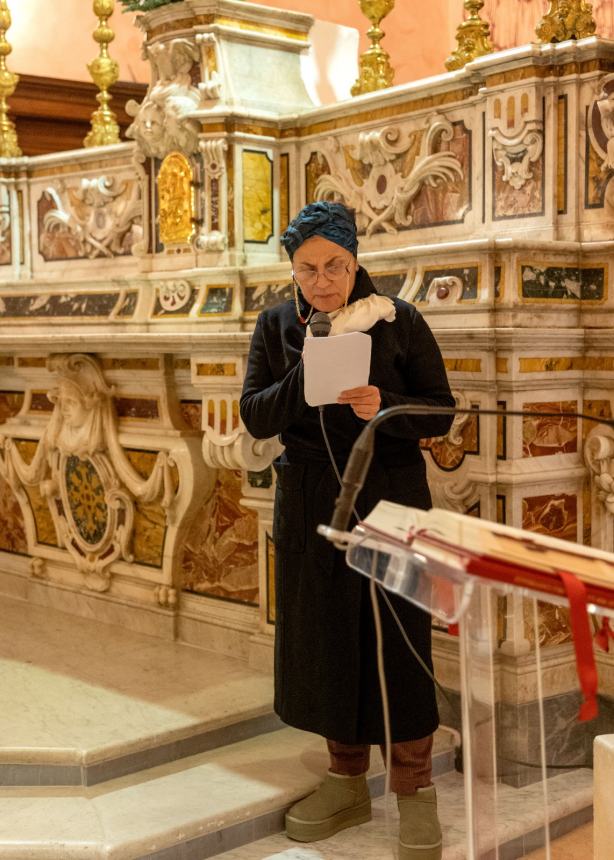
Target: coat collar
[(363, 287)]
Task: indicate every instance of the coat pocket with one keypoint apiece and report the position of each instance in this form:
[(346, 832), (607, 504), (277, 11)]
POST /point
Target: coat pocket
[(289, 511)]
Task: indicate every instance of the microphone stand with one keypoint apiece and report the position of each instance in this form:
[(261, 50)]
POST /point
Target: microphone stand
[(362, 452)]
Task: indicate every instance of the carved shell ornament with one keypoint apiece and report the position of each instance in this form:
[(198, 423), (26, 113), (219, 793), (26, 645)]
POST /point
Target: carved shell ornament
[(83, 473)]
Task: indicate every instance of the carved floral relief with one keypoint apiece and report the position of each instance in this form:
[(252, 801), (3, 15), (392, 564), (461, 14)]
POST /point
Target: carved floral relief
[(396, 177), (99, 217)]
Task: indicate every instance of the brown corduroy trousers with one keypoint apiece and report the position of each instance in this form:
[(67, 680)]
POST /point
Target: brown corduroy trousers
[(411, 762)]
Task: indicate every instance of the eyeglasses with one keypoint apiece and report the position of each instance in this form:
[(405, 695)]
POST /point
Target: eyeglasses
[(333, 271)]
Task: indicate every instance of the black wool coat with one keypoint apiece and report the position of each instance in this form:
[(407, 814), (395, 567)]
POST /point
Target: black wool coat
[(325, 649)]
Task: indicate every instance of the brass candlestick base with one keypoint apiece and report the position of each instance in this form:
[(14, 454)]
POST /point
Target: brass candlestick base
[(473, 37), (104, 72), (375, 71), (9, 147), (566, 19)]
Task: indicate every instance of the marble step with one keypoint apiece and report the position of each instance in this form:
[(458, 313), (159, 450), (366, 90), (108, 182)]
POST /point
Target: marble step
[(190, 809), (520, 814), (84, 702)]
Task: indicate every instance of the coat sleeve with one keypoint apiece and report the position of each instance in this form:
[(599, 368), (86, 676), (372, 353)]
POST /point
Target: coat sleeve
[(427, 380), (267, 406)]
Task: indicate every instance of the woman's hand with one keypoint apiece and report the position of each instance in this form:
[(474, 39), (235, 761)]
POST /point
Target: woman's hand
[(365, 401)]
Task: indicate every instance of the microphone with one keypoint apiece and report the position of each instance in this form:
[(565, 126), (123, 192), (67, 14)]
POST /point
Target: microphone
[(362, 451), (320, 324)]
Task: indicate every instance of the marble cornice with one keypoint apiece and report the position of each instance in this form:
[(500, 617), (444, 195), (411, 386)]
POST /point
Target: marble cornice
[(540, 340), (219, 343)]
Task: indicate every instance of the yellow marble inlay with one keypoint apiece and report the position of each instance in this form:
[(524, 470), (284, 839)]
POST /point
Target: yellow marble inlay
[(561, 138), (176, 199), (130, 363), (149, 519), (6, 360), (562, 364), (257, 196), (181, 364), (463, 365), (32, 361), (251, 26), (502, 364), (284, 191), (217, 369), (45, 530)]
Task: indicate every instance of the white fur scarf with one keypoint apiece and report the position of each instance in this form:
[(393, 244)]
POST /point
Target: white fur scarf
[(361, 315)]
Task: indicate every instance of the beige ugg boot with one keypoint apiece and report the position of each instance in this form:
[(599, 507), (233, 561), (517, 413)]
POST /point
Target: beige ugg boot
[(420, 831), (340, 802)]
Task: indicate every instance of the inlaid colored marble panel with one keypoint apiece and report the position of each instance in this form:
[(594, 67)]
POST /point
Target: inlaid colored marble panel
[(553, 623), (571, 283), (45, 530), (6, 251), (12, 525), (499, 282), (448, 453), (523, 202), (501, 431), (149, 519), (228, 368), (270, 580), (192, 413), (39, 402), (475, 510), (389, 284), (554, 515), (174, 299), (86, 499), (129, 363), (447, 202), (221, 549), (561, 147), (549, 435), (284, 191), (100, 305), (10, 404), (257, 196), (143, 408), (463, 365), (562, 364), (316, 167), (258, 297), (219, 411), (468, 275), (218, 300), (501, 509)]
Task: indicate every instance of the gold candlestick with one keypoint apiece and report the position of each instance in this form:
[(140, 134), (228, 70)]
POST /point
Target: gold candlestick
[(9, 147), (566, 19), (375, 71), (473, 37), (104, 72)]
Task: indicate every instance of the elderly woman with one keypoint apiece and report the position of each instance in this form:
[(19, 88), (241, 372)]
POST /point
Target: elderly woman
[(326, 677)]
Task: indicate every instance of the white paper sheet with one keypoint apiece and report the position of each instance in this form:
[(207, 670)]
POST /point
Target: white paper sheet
[(334, 364)]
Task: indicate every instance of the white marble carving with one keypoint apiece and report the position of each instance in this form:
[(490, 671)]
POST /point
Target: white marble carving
[(103, 215), (446, 290), (601, 130), (599, 455), (383, 199), (235, 449), (82, 471), (174, 295), (516, 154), (162, 121), (211, 83)]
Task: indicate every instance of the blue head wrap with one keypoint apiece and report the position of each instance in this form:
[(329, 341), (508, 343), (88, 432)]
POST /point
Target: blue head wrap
[(333, 221)]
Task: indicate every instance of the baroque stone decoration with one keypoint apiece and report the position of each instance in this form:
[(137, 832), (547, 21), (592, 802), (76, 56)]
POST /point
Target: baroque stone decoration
[(99, 217), (83, 474), (211, 237), (162, 122), (383, 173), (517, 138), (599, 457), (226, 442), (174, 296), (600, 127)]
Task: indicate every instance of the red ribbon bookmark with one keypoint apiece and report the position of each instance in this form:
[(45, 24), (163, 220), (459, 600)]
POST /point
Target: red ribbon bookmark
[(583, 643)]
